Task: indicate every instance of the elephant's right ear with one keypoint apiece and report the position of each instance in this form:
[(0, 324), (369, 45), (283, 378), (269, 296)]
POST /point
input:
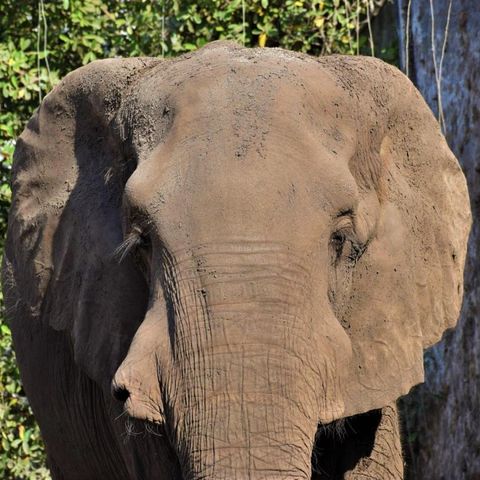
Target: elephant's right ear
[(65, 222)]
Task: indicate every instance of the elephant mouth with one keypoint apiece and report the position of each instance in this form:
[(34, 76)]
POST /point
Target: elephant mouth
[(340, 446)]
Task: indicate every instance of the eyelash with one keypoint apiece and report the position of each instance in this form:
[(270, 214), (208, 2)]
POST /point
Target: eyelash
[(133, 242)]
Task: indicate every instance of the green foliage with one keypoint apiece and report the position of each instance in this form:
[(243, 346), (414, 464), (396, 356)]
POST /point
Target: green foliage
[(40, 42), (21, 450)]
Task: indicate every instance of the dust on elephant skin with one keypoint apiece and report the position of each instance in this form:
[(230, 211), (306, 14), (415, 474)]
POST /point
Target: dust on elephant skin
[(227, 265)]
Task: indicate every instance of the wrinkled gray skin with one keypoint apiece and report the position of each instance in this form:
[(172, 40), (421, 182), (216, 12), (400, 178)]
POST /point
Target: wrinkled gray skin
[(227, 266)]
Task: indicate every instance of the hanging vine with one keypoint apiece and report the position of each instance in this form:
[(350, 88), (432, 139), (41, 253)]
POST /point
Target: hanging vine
[(437, 63)]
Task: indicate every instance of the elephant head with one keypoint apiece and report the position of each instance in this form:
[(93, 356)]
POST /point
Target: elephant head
[(241, 244)]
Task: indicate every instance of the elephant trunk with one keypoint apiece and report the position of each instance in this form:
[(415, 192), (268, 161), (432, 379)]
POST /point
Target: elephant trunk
[(250, 371), (238, 416), (244, 391)]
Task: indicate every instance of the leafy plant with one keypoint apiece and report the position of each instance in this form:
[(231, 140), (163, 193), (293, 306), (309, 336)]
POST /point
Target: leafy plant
[(21, 449)]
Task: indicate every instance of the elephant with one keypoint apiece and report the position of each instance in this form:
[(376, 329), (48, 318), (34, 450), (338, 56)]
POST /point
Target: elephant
[(227, 265)]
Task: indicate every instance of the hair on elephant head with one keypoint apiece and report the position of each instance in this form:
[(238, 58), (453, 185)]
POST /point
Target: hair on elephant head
[(248, 248)]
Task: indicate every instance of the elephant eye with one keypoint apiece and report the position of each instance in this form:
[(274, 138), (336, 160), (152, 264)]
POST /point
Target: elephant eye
[(143, 240), (137, 239), (345, 247), (338, 241), (142, 253)]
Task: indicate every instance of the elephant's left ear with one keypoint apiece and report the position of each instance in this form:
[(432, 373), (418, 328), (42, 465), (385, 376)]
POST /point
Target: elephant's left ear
[(423, 179), (407, 287), (418, 180)]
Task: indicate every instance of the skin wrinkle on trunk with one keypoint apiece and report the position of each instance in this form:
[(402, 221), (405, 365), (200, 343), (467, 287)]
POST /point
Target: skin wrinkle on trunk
[(219, 305)]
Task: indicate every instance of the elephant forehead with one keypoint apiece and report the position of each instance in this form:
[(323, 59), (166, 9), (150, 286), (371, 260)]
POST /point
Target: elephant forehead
[(238, 98), (256, 142)]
